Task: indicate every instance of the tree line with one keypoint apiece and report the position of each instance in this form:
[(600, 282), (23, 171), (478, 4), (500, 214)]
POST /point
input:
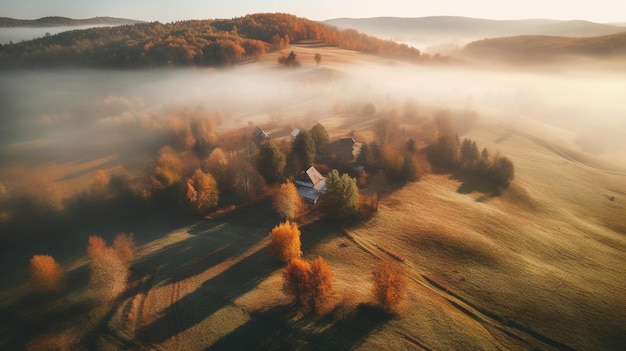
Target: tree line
[(189, 43)]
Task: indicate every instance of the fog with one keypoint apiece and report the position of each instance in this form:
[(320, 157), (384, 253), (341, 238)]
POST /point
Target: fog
[(18, 34), (77, 115)]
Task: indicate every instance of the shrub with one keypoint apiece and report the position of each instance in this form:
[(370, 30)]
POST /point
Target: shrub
[(287, 201), (285, 244), (389, 287), (45, 274)]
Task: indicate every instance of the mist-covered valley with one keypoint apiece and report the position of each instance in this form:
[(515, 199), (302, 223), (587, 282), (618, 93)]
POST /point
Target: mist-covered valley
[(100, 111), (90, 155)]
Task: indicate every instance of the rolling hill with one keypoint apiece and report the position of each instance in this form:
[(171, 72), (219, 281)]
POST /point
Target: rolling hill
[(539, 47), (56, 21), (189, 43), (470, 28)]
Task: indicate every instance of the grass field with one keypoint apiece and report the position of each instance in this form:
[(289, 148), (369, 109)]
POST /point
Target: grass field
[(539, 268)]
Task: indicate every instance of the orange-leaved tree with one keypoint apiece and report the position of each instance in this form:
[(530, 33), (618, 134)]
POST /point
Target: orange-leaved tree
[(321, 284), (310, 284), (110, 265), (285, 241), (287, 201), (45, 274), (390, 283), (95, 246), (297, 281), (199, 192), (124, 247)]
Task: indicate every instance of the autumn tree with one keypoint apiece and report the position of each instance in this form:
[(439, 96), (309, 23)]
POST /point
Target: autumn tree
[(310, 284), (297, 280), (320, 137), (108, 275), (247, 181), (321, 284), (341, 199), (469, 153), (303, 149), (110, 265), (410, 172), (502, 171), (270, 162), (287, 201), (199, 192), (95, 246), (124, 246), (389, 288), (386, 129), (444, 152), (45, 274), (290, 60), (168, 170), (217, 165), (285, 242)]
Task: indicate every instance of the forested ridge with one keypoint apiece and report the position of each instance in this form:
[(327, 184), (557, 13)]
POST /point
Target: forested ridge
[(527, 47), (55, 21), (189, 43)]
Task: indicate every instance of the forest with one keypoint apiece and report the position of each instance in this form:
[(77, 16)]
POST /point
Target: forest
[(542, 47), (190, 43)]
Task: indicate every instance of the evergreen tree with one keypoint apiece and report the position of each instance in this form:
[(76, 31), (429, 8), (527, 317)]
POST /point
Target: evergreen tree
[(303, 148), (270, 162), (341, 199), (320, 137)]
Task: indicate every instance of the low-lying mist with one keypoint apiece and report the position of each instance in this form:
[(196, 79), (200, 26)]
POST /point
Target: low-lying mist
[(79, 115)]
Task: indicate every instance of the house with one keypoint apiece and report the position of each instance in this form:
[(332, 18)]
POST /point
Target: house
[(294, 133), (259, 135), (344, 150), (311, 185)]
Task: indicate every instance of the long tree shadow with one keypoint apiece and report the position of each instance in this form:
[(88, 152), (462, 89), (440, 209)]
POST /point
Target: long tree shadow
[(219, 291), (212, 242), (279, 328), (214, 294)]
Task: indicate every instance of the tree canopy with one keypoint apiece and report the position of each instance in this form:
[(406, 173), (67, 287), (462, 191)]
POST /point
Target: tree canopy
[(341, 199), (214, 42)]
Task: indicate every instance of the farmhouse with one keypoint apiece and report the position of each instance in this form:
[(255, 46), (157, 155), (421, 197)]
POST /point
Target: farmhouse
[(311, 185), (344, 150)]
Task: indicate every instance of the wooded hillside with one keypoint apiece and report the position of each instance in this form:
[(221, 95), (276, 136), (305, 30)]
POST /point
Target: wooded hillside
[(185, 43), (538, 47), (56, 21)]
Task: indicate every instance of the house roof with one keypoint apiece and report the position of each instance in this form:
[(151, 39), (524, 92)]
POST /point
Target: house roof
[(344, 149), (312, 178)]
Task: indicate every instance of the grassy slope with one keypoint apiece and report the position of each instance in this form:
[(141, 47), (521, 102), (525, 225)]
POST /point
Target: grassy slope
[(540, 262), (540, 267)]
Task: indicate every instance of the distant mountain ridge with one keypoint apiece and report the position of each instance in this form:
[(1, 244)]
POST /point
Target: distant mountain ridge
[(56, 21), (472, 28), (529, 48)]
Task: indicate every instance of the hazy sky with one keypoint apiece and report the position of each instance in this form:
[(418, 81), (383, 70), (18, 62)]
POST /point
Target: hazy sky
[(168, 10)]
